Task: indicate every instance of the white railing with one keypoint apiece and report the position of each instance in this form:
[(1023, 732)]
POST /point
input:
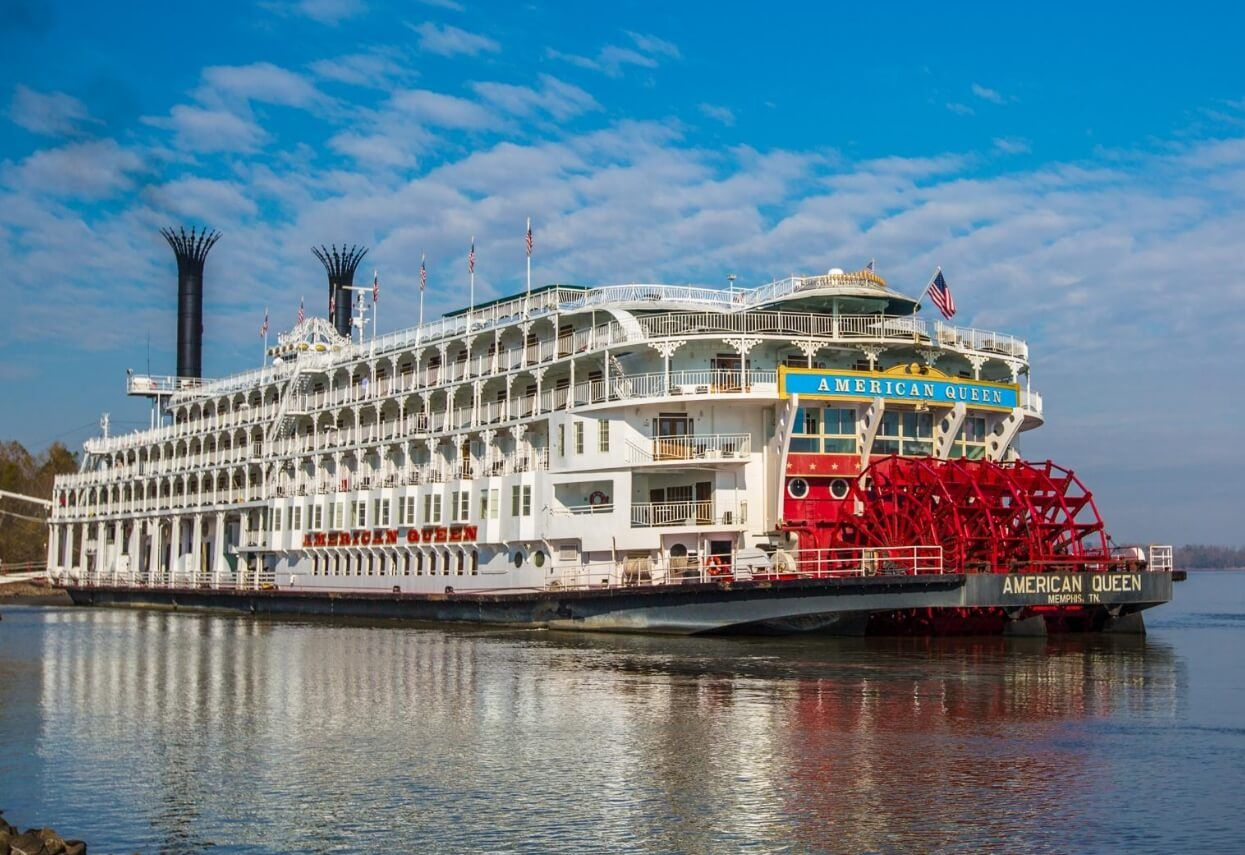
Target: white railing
[(654, 514), (708, 446), (1160, 559), (1031, 401), (580, 510), (145, 384), (781, 566)]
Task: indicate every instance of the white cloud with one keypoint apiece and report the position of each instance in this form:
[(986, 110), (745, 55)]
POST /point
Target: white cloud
[(48, 113), (261, 82), (202, 200), (559, 99), (442, 111), (86, 170), (444, 4), (330, 12), (446, 40), (380, 69), (644, 51), (960, 109), (987, 94), (1012, 145), (211, 130), (718, 113)]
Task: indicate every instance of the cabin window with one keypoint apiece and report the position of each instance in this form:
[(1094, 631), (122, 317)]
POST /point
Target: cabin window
[(838, 426), (971, 442), (603, 436), (909, 433), (490, 504), (432, 508), (520, 501), (805, 431), (579, 437)]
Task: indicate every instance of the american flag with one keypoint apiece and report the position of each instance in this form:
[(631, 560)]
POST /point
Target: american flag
[(471, 257), (332, 304), (375, 285), (529, 237), (302, 313), (263, 330), (423, 272), (940, 293)]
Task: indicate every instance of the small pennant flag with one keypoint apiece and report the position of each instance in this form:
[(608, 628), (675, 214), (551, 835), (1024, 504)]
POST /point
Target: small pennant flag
[(870, 266), (375, 285), (529, 237), (302, 313), (423, 273), (471, 257), (940, 293), (263, 329)]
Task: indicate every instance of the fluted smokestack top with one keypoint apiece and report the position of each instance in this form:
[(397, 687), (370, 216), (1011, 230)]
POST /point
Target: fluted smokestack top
[(341, 265), (191, 249)]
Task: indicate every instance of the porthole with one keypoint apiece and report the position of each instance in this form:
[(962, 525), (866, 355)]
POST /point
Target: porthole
[(839, 488), (797, 488), (517, 558), (538, 558)]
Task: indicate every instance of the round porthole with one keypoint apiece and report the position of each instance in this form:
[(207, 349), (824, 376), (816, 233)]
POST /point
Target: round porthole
[(839, 488), (538, 558), (518, 558), (797, 488)]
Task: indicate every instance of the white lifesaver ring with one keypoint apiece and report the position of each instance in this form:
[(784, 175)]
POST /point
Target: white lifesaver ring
[(598, 498)]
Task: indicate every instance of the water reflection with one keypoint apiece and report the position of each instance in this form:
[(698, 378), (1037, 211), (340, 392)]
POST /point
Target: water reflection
[(174, 732)]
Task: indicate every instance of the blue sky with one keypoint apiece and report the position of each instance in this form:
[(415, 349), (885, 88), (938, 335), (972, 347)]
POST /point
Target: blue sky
[(1078, 173)]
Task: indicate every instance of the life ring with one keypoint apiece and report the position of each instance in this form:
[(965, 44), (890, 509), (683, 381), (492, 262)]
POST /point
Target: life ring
[(598, 498), (716, 566)]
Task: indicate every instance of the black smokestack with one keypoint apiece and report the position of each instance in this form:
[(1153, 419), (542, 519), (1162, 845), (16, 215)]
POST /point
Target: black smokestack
[(191, 250), (341, 265)]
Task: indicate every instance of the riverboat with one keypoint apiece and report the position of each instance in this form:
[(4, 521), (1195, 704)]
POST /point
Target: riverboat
[(813, 454)]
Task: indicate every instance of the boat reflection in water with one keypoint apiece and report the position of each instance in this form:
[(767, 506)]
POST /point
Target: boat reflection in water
[(175, 731)]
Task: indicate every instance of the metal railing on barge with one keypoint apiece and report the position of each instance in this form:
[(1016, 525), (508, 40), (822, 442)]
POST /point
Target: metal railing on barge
[(632, 572)]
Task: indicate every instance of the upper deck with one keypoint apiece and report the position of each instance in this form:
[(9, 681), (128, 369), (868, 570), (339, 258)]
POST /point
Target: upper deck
[(641, 313)]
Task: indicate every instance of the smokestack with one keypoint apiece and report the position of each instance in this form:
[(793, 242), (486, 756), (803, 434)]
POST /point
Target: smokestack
[(191, 250), (340, 265)]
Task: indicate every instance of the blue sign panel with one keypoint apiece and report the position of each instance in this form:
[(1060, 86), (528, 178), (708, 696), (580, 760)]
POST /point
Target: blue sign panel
[(856, 385)]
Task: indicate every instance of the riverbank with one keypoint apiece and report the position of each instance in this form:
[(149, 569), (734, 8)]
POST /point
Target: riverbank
[(27, 593)]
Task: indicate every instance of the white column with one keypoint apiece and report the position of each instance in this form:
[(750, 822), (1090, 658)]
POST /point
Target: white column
[(154, 567), (84, 535), (54, 549), (218, 549), (196, 547), (175, 549)]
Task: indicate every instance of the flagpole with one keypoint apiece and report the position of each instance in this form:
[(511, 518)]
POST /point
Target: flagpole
[(265, 336), (423, 283), (928, 285), (471, 307), (527, 299)]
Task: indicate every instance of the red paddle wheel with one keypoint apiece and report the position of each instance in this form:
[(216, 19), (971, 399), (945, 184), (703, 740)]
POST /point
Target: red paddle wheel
[(986, 516)]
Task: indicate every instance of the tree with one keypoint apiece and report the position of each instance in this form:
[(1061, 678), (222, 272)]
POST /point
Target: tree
[(23, 540)]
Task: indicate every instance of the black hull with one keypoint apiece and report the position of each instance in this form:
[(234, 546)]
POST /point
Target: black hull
[(936, 605)]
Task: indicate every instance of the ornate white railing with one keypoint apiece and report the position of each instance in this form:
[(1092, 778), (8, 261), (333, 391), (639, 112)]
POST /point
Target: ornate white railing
[(699, 447)]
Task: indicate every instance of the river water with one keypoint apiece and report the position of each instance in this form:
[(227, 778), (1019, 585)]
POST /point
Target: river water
[(145, 731)]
